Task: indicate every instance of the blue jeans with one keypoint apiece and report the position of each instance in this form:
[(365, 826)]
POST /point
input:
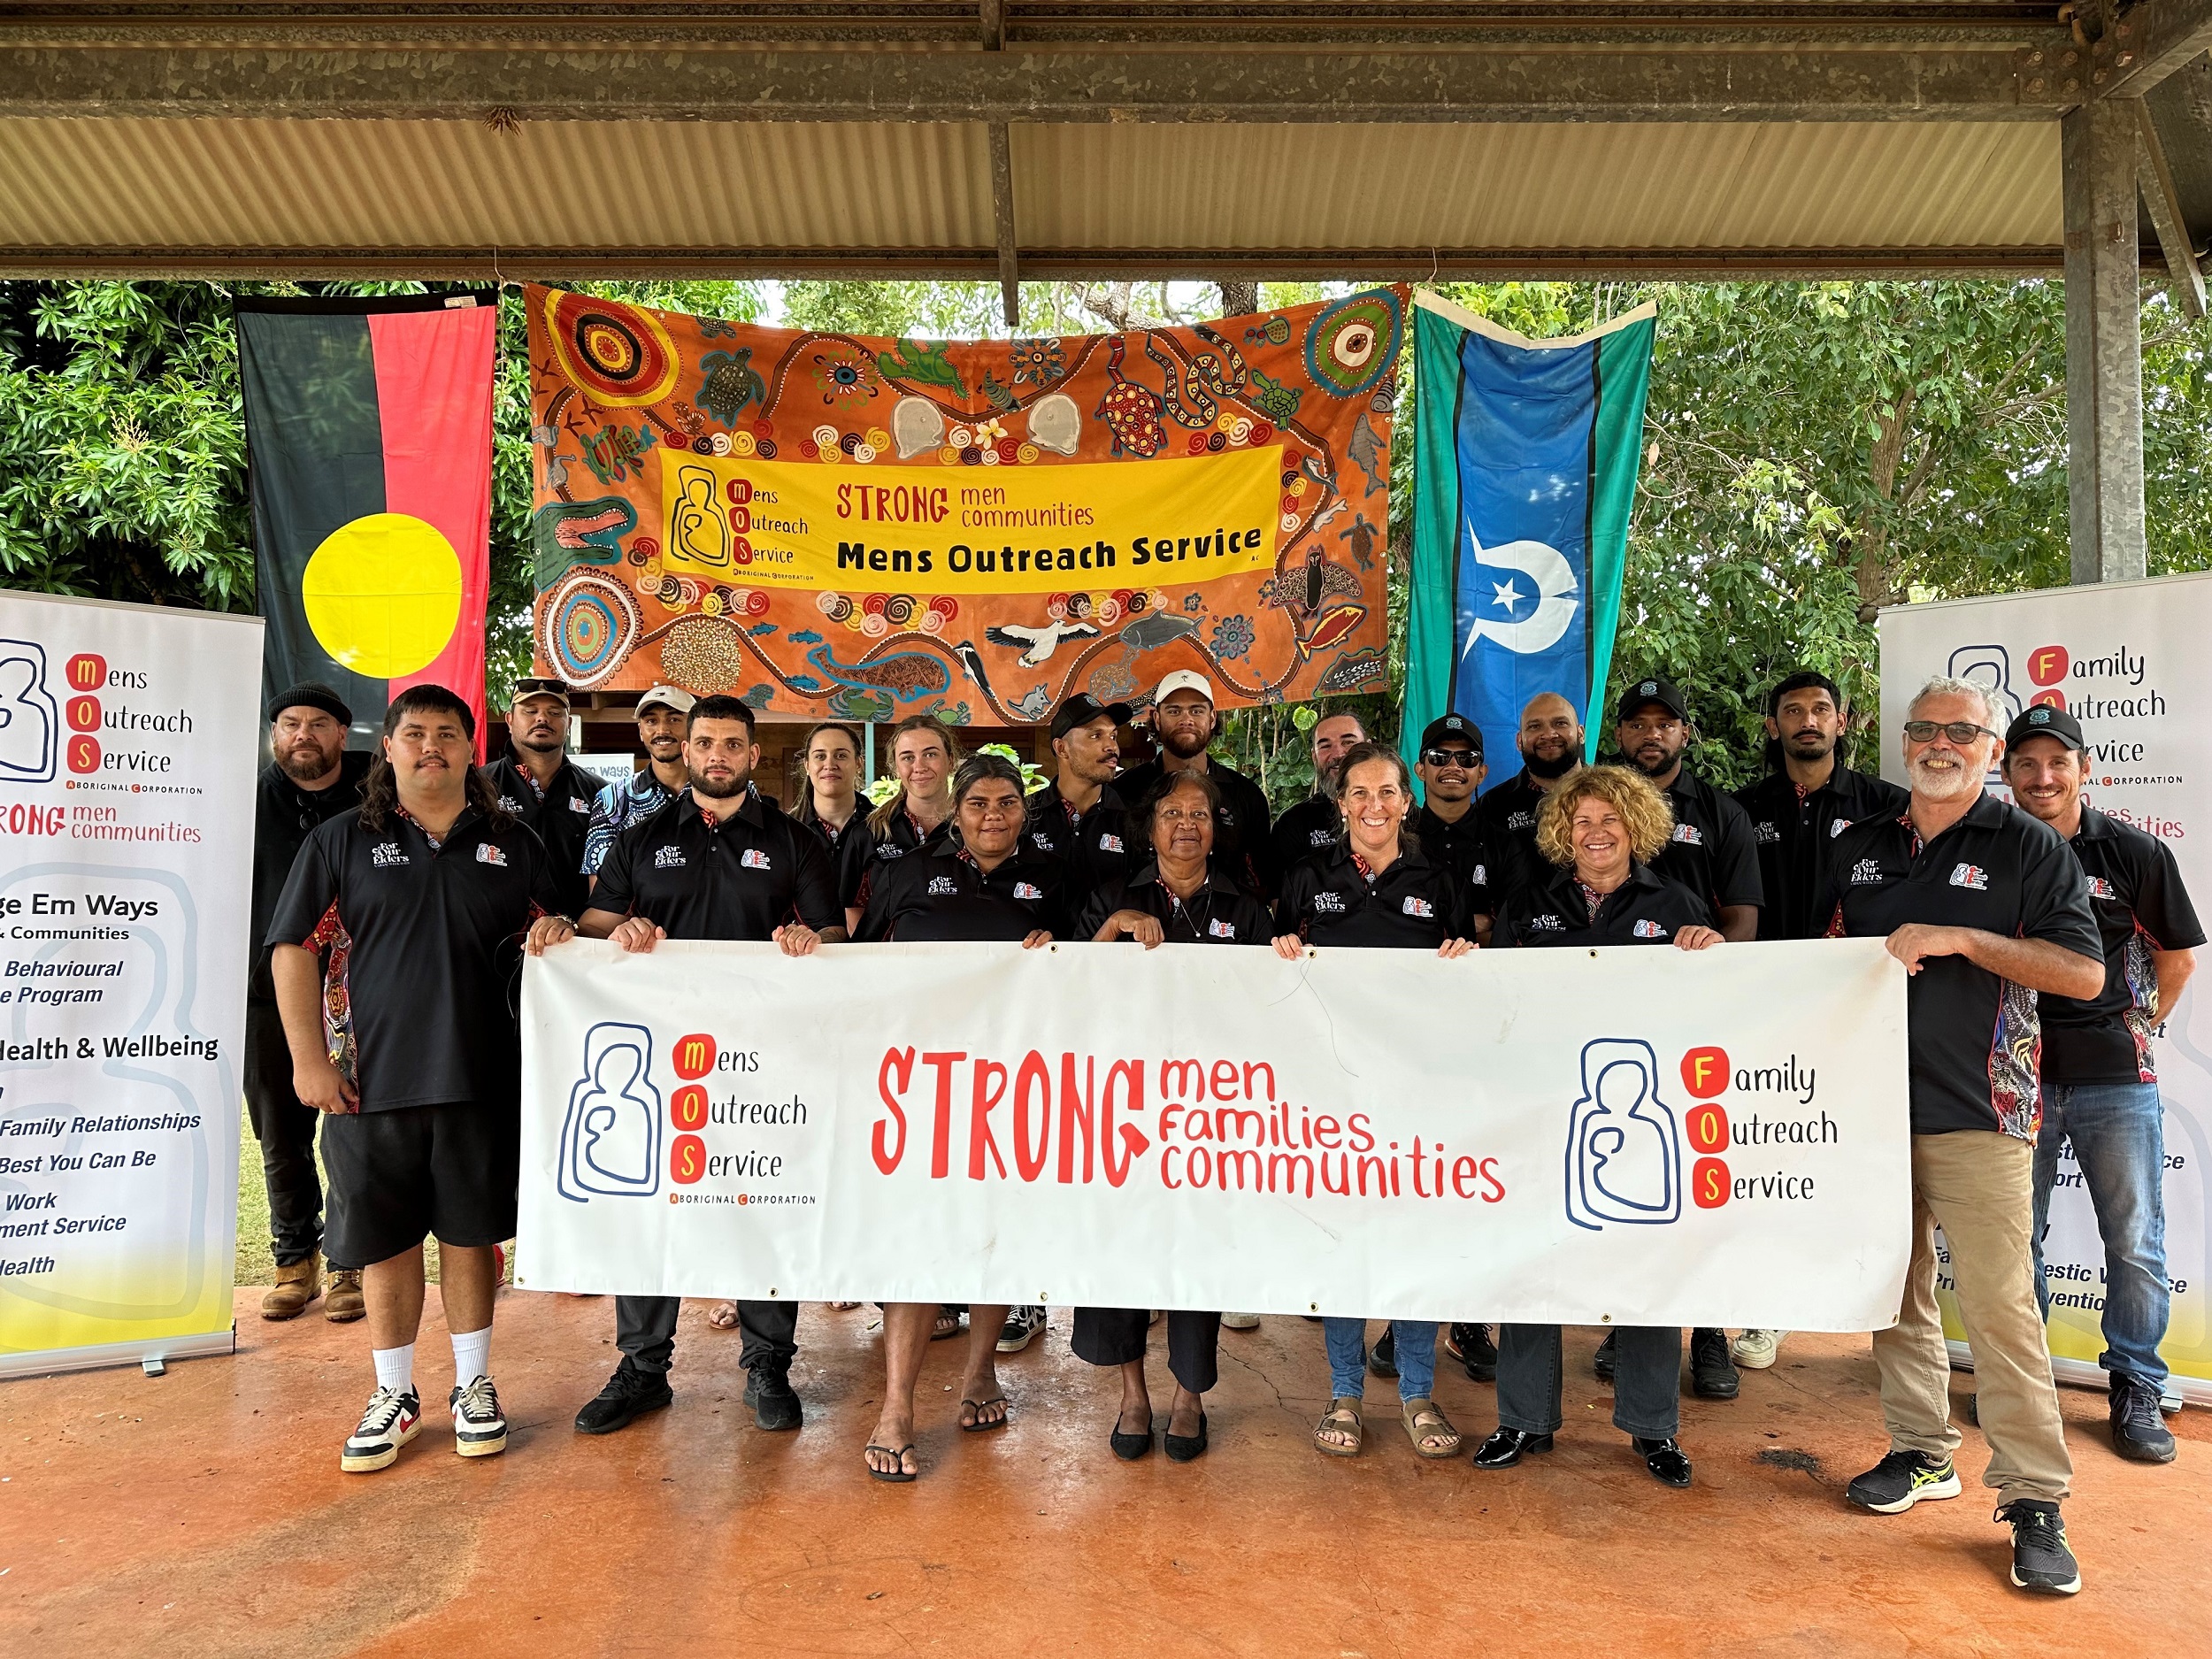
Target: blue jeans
[(2119, 1135), (1348, 1356)]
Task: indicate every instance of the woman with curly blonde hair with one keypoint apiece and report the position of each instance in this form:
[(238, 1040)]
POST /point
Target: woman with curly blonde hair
[(1600, 829)]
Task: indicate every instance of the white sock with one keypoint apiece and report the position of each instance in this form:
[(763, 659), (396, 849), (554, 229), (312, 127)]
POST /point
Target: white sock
[(394, 1367), (472, 1356)]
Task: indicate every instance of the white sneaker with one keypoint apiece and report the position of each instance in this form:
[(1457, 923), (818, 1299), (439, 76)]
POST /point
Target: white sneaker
[(391, 1420), (1021, 1328), (1239, 1321), (479, 1430), (1754, 1349)]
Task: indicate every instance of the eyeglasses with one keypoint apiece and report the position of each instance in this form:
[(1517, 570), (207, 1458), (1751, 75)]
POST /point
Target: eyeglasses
[(1960, 732), (1450, 758)]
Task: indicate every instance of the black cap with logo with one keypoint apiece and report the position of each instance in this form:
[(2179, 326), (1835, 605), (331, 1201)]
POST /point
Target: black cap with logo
[(2042, 720), (1665, 692), (1082, 708), (1450, 726)]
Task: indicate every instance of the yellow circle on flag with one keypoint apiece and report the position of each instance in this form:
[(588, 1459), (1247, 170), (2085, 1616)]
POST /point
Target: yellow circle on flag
[(382, 594)]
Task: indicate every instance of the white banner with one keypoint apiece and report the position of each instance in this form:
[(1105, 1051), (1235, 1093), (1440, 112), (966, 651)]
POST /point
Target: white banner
[(2129, 660), (1637, 1136), (127, 787)]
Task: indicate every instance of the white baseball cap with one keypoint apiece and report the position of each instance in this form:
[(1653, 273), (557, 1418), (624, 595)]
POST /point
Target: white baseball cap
[(668, 697), (1183, 679)]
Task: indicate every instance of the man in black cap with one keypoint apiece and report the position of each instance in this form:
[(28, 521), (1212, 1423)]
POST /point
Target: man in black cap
[(1806, 802), (2099, 1082), (1550, 739), (310, 777), (1450, 829), (1078, 818), (537, 782), (1314, 825), (1183, 723)]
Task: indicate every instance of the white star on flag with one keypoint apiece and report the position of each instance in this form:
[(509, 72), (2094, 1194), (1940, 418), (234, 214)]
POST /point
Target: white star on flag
[(1508, 596)]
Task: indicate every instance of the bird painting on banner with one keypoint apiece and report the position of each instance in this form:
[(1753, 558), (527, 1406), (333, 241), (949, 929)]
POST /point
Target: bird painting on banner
[(1528, 454), (870, 527), (369, 438)]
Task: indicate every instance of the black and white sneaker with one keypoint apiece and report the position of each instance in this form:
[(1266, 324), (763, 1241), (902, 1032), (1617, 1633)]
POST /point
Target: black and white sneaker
[(2139, 1434), (1902, 1479), (2041, 1560), (479, 1430), (1471, 1347), (392, 1420), (1022, 1327)]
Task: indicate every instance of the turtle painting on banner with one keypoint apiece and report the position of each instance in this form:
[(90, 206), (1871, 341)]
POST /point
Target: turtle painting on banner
[(870, 528)]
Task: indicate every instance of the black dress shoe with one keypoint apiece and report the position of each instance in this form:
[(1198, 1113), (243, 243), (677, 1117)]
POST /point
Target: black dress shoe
[(1664, 1459), (1129, 1447), (1186, 1448), (1382, 1359), (1712, 1372), (1507, 1448), (775, 1403), (629, 1394), (1602, 1362)]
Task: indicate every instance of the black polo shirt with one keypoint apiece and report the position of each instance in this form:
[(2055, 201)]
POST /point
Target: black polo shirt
[(1311, 827), (1240, 823), (1647, 909), (948, 896), (1221, 912), (1711, 851), (1792, 833), (2136, 894), (421, 948), (1412, 905), (1095, 848), (283, 813), (862, 852), (1506, 820), (1460, 848), (1974, 1037), (560, 814), (741, 878)]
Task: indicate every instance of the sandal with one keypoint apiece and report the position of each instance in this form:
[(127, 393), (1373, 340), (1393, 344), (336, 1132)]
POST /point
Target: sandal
[(840, 1307), (948, 1324), (1342, 1418), (723, 1316), (1424, 1423), (971, 1419), (898, 1475)]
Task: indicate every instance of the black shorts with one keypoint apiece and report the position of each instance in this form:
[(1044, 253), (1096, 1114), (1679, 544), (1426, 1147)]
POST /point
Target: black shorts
[(400, 1176)]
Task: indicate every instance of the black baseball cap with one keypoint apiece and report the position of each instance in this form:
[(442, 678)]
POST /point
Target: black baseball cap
[(1082, 708), (2042, 720), (1665, 692), (1452, 726)]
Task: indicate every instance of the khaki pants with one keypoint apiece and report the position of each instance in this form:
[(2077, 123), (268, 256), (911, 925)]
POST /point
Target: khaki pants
[(1979, 1188)]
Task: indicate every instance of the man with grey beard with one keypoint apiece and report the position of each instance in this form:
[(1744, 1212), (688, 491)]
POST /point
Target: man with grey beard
[(1985, 907)]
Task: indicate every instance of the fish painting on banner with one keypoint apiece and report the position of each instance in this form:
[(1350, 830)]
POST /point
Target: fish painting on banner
[(1527, 465), (870, 528)]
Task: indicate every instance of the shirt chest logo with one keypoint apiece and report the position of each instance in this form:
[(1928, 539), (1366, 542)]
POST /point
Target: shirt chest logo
[(1109, 843), (1688, 834), (575, 805), (1028, 890), (1329, 903), (488, 854), (668, 858), (1547, 924), (941, 886), (885, 849), (1520, 821), (1768, 834), (2100, 888), (752, 859), (1320, 837), (508, 804), (1221, 930), (1418, 907), (1648, 930), (1867, 872), (384, 855), (1479, 875), (1838, 827), (1041, 840), (1972, 876)]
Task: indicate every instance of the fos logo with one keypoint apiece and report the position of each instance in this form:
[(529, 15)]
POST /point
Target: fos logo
[(610, 1137), (1623, 1147)]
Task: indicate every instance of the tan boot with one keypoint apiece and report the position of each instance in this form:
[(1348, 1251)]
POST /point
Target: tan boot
[(295, 1286), (343, 1302)]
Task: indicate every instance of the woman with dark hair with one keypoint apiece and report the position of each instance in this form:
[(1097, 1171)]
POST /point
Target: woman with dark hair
[(983, 886), (1374, 889), (1178, 896), (924, 754), (827, 795), (1600, 829)]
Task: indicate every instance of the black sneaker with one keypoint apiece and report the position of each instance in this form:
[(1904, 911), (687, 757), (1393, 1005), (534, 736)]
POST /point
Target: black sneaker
[(1471, 1347), (1902, 1479), (1382, 1359), (2139, 1432), (1022, 1327), (1712, 1373), (1602, 1362), (2041, 1560), (629, 1394), (775, 1403)]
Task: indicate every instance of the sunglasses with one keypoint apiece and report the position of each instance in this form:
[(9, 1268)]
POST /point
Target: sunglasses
[(1960, 732), (542, 688), (1450, 758)]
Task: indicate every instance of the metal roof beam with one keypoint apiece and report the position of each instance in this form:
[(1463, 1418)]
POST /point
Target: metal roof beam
[(2154, 180), (2148, 42)]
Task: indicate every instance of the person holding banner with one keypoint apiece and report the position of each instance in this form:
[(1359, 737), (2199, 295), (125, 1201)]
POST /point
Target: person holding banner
[(2099, 1087), (408, 1044), (917, 818), (718, 861), (1375, 889), (987, 886), (1079, 819), (1179, 897), (661, 714), (829, 797), (1551, 740), (1986, 907), (1600, 830), (1183, 723)]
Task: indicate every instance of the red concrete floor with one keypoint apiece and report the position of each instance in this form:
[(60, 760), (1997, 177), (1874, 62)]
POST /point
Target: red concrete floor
[(203, 1512)]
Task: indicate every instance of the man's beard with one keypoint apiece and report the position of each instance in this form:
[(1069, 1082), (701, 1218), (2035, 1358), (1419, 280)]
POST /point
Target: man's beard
[(306, 764), (546, 745), (1566, 762), (1184, 744), (1942, 786), (1823, 745), (721, 790), (1651, 770)]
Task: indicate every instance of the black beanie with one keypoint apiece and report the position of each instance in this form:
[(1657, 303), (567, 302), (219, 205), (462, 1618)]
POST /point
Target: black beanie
[(311, 693)]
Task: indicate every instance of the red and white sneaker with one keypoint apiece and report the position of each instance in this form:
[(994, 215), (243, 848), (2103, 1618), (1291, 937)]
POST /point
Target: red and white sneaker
[(391, 1420), (479, 1430)]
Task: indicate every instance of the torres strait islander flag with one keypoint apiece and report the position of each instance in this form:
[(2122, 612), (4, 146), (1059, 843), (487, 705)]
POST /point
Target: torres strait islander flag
[(368, 448), (1526, 469)]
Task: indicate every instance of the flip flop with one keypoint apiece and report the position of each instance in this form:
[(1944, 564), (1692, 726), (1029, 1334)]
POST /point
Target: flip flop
[(722, 1317), (947, 1325), (971, 1415), (897, 1476)]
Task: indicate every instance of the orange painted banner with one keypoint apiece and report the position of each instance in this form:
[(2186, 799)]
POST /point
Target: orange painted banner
[(869, 528)]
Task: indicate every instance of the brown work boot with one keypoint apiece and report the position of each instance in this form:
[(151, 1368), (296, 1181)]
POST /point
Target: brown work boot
[(343, 1302), (295, 1286)]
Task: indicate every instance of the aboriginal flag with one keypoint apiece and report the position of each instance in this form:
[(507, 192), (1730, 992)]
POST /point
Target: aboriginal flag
[(369, 464)]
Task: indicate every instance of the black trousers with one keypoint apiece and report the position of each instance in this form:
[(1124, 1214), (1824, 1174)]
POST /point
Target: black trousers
[(286, 1127), (1647, 1380), (1114, 1336), (645, 1330)]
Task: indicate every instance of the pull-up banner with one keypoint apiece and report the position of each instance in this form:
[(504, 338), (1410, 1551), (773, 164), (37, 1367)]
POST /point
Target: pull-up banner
[(1635, 1136), (872, 528)]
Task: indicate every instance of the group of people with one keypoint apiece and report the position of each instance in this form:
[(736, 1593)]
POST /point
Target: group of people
[(2044, 942)]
